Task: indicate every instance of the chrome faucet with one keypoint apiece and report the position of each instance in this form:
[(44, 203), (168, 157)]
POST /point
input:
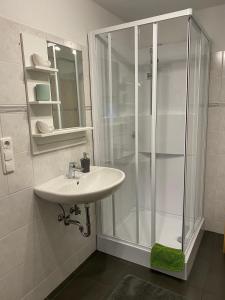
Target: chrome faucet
[(72, 170)]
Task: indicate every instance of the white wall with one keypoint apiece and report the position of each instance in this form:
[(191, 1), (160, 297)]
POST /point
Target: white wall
[(213, 21), (36, 252), (70, 19)]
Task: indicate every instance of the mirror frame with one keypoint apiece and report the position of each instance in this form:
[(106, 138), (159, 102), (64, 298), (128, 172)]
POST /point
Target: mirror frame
[(65, 138)]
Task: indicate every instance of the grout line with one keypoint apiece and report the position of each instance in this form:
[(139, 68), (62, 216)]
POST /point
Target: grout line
[(31, 219), (13, 108), (10, 62), (19, 191), (18, 228), (216, 104), (14, 193), (9, 271)]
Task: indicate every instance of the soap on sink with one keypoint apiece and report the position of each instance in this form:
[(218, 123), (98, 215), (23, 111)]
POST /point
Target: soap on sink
[(85, 163)]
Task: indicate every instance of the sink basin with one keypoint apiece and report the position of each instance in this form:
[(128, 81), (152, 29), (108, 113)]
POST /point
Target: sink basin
[(99, 183)]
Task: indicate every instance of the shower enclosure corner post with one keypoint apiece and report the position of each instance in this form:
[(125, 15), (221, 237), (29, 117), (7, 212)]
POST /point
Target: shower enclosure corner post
[(206, 129), (153, 131), (93, 91), (109, 40), (186, 132), (136, 86), (92, 55)]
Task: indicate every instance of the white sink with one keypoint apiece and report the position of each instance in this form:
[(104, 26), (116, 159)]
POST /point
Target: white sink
[(99, 183)]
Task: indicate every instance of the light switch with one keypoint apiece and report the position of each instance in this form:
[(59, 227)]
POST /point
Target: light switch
[(8, 154), (9, 166), (8, 163)]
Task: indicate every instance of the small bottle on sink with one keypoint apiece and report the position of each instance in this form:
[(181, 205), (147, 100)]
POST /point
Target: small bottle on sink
[(85, 163)]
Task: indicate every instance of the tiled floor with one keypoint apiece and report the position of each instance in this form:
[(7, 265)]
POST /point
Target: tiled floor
[(99, 275)]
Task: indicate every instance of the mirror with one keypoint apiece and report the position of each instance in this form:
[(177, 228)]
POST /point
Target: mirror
[(67, 86)]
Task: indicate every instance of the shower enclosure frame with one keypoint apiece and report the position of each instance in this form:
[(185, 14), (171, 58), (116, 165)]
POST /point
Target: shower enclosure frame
[(112, 245)]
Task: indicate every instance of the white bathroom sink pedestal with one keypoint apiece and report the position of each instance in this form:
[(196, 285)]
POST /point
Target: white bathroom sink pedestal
[(85, 188)]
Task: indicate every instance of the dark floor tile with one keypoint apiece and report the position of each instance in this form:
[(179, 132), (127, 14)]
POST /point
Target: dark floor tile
[(206, 246), (211, 245), (104, 269), (178, 286), (101, 273), (215, 284), (199, 272), (71, 277), (173, 284), (210, 296), (215, 280), (83, 289)]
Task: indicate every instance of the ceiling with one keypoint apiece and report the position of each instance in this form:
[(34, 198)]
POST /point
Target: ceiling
[(129, 10)]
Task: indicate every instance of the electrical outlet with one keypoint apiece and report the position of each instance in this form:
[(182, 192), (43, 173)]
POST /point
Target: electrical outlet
[(8, 163)]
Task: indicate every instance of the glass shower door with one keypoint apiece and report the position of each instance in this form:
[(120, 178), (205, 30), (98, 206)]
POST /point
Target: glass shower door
[(202, 127), (192, 130), (123, 127), (196, 129), (117, 130), (170, 130), (145, 63)]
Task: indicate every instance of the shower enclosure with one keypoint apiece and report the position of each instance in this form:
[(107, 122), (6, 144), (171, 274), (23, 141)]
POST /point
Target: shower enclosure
[(149, 84)]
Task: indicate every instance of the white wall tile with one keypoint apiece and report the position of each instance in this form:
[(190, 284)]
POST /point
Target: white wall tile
[(216, 64), (36, 251), (15, 125), (23, 280), (12, 90), (23, 176), (214, 209), (46, 286), (3, 182), (222, 95), (22, 209), (40, 247), (55, 278), (216, 120), (10, 49), (11, 248), (215, 86), (48, 166), (86, 250), (216, 142)]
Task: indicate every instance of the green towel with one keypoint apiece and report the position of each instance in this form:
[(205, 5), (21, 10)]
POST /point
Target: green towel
[(167, 258)]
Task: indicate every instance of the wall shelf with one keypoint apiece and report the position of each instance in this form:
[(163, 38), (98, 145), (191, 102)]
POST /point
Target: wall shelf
[(42, 69), (61, 132), (44, 102)]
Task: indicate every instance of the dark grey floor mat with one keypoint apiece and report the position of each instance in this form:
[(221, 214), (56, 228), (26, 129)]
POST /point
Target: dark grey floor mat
[(132, 287)]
